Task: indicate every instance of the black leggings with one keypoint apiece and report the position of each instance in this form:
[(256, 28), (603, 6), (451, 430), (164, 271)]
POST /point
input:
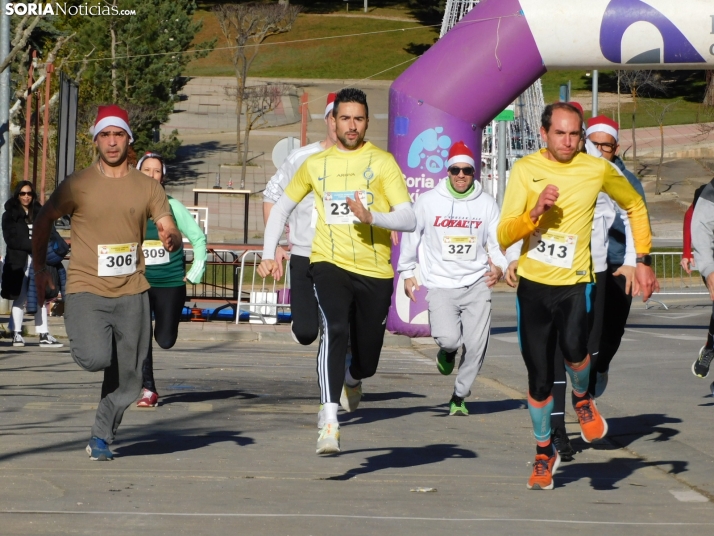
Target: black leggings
[(166, 306), (303, 303), (352, 306), (557, 418), (617, 307), (550, 315)]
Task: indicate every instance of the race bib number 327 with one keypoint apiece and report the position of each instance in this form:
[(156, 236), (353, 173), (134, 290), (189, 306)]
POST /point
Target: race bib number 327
[(458, 248), (553, 248), (116, 259)]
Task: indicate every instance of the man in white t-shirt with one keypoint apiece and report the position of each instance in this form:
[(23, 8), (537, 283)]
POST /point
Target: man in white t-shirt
[(303, 304)]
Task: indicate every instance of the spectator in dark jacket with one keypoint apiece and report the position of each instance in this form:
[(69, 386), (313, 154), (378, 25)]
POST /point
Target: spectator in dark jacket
[(17, 219)]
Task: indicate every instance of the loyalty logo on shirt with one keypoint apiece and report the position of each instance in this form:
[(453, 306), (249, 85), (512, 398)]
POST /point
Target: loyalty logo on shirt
[(537, 180), (457, 221)]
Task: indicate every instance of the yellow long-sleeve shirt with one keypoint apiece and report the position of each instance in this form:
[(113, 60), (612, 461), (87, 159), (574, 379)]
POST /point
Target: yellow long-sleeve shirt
[(556, 249)]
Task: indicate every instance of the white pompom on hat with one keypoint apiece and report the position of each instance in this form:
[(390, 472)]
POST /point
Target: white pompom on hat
[(111, 116), (460, 153)]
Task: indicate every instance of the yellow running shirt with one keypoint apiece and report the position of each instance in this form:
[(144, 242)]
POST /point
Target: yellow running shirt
[(556, 250), (334, 174)]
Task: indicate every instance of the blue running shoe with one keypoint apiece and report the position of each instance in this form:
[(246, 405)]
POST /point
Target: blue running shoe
[(99, 451)]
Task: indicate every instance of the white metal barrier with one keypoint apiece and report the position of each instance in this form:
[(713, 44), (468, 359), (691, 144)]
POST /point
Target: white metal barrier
[(266, 301), (673, 279)]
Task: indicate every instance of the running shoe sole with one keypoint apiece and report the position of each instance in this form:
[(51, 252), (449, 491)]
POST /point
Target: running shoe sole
[(604, 432), (351, 402)]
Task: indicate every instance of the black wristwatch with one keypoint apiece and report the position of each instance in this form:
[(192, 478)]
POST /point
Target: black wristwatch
[(645, 259)]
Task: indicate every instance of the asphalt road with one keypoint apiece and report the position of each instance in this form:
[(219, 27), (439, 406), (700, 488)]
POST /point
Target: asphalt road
[(231, 448)]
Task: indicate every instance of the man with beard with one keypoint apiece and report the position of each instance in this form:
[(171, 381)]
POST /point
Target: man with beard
[(356, 185)]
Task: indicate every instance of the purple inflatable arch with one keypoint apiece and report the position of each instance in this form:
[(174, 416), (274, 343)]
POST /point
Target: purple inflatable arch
[(497, 51)]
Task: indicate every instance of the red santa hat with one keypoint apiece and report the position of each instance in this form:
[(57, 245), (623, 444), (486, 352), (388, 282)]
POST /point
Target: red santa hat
[(330, 103), (602, 123), (459, 153), (111, 116)]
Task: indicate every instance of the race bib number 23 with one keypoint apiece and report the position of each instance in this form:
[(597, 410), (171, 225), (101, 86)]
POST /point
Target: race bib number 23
[(553, 248), (337, 212), (116, 259)]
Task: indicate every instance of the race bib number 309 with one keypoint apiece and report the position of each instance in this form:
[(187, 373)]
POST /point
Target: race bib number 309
[(154, 253), (553, 248), (117, 259), (337, 212)]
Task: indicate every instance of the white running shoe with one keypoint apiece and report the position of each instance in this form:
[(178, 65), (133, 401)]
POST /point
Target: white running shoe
[(350, 397), (328, 441), (17, 339)]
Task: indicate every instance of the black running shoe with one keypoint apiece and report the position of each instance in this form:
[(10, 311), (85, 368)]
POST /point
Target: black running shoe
[(562, 444)]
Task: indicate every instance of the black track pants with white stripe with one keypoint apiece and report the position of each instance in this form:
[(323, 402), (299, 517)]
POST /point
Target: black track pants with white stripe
[(352, 306)]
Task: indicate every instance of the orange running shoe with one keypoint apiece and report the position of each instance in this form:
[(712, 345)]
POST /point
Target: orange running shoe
[(592, 425), (543, 469)]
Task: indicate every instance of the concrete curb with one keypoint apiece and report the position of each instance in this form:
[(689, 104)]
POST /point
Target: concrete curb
[(212, 331)]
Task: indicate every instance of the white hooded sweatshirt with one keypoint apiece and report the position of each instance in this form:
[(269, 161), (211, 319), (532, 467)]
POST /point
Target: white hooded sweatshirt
[(462, 230)]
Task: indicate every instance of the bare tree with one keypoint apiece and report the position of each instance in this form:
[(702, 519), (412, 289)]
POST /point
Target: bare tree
[(709, 94), (258, 101), (245, 27), (635, 82), (658, 111), (23, 30)]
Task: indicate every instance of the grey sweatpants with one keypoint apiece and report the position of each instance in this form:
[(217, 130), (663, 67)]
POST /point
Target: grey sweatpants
[(99, 328), (462, 317)]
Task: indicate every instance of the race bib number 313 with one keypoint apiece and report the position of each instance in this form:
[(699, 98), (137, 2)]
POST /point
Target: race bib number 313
[(337, 212), (117, 259), (553, 248)]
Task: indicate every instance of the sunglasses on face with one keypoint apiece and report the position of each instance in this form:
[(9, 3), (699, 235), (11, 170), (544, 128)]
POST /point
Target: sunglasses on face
[(455, 170), (22, 194)]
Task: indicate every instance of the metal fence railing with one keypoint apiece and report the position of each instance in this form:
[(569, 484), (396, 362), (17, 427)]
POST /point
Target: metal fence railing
[(673, 279), (220, 280), (262, 301)]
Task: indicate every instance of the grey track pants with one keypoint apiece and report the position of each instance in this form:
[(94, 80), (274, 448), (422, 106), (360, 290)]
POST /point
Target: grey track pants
[(462, 317), (99, 328)]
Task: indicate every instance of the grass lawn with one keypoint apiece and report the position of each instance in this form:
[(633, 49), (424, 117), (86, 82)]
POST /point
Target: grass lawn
[(349, 57)]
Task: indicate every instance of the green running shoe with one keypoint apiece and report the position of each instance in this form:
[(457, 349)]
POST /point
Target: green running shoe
[(457, 406), (445, 362)]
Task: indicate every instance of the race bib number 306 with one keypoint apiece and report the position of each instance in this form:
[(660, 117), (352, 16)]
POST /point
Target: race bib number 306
[(458, 248), (553, 248), (337, 212), (154, 253), (117, 259)]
